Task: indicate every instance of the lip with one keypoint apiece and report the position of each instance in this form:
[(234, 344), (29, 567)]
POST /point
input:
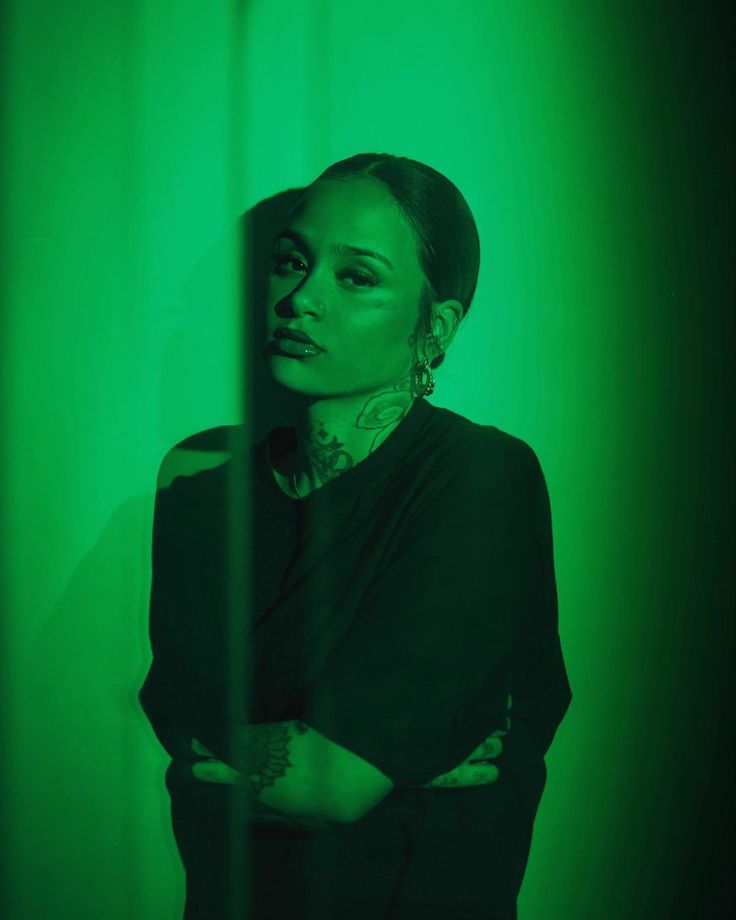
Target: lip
[(286, 345), (296, 335)]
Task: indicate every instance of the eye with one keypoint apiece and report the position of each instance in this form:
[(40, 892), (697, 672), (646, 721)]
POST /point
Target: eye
[(358, 278), (365, 279), (280, 261)]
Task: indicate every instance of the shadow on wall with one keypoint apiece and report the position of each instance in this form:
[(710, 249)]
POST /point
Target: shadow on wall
[(84, 668), (212, 447)]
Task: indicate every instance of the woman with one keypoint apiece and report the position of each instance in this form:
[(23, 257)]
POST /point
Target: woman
[(404, 592)]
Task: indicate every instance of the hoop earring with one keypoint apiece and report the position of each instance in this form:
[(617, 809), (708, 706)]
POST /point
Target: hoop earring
[(423, 379)]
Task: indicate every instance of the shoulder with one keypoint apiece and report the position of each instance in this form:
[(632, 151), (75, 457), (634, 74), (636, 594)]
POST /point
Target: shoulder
[(483, 457), (190, 489)]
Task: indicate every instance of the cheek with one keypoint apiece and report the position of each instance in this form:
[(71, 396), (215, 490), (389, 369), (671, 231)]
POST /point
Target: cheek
[(275, 289), (387, 335), (367, 354), (373, 340)]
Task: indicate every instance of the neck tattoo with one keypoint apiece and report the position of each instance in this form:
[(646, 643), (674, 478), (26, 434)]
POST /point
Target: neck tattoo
[(381, 414)]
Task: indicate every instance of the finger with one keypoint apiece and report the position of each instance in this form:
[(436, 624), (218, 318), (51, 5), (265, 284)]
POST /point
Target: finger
[(199, 748), (215, 771), (477, 775), (490, 748)]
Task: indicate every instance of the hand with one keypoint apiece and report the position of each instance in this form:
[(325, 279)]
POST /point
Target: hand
[(474, 771), (213, 770)]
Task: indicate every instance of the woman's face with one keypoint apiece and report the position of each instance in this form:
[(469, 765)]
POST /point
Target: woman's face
[(359, 309)]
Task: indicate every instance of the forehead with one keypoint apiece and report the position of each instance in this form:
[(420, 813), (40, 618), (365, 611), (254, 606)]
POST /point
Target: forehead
[(358, 212)]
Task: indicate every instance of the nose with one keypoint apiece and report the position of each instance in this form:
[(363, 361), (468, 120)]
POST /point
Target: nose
[(306, 297)]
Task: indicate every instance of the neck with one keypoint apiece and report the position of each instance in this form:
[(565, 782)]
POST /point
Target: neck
[(335, 434)]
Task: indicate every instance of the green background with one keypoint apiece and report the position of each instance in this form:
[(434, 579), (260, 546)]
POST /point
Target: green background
[(595, 144)]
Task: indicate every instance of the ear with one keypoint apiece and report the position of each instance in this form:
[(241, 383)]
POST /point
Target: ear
[(447, 316)]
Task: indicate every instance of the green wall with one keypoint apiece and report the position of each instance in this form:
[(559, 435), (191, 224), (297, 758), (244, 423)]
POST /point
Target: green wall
[(594, 143)]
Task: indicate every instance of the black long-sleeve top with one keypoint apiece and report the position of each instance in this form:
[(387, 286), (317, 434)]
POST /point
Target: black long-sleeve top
[(395, 609)]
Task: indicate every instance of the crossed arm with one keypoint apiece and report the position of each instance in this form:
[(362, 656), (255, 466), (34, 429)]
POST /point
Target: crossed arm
[(292, 775)]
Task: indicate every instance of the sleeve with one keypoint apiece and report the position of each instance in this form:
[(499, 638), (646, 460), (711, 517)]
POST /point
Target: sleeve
[(161, 688), (423, 673), (541, 689)]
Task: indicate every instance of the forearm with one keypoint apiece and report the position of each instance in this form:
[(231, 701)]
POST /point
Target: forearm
[(275, 772)]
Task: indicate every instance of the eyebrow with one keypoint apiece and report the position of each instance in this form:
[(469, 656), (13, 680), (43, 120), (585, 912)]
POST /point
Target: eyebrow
[(342, 248)]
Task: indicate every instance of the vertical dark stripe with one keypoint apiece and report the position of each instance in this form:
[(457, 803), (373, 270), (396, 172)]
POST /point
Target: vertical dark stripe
[(239, 487), (318, 870)]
